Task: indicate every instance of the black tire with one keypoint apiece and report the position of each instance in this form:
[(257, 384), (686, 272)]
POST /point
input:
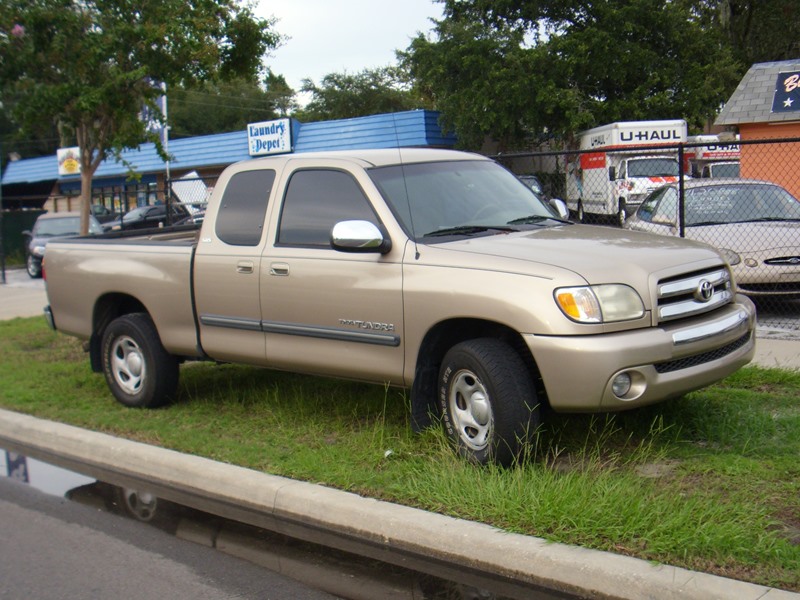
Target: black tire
[(488, 401), (142, 506), (33, 267), (138, 370), (622, 213)]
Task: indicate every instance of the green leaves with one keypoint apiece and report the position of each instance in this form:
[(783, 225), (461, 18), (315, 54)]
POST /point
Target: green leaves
[(514, 70), (90, 67), (346, 95)]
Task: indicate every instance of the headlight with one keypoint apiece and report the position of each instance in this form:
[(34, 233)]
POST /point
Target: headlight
[(600, 303), (38, 251), (730, 256)]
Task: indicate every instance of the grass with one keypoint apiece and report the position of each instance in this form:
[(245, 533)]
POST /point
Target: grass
[(710, 482)]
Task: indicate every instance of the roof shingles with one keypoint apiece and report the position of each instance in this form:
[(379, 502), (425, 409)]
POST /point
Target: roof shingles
[(751, 102)]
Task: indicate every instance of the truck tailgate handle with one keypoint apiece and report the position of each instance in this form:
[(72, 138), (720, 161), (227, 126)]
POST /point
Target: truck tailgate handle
[(244, 266), (279, 269)]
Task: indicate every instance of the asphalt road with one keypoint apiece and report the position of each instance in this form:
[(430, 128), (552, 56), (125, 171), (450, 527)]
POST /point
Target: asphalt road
[(53, 549)]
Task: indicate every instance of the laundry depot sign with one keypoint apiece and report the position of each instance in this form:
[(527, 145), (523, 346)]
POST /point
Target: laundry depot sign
[(269, 137)]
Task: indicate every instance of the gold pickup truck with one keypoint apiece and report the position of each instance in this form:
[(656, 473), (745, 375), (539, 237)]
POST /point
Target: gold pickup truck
[(430, 269)]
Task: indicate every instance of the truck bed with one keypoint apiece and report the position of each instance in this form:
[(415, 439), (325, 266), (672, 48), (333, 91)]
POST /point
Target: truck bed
[(150, 269)]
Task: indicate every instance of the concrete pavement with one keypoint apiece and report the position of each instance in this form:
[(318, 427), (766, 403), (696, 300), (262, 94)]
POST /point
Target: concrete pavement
[(373, 528), (353, 523)]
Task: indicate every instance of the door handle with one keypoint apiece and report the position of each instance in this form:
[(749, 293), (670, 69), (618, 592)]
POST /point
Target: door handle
[(279, 269), (244, 267)]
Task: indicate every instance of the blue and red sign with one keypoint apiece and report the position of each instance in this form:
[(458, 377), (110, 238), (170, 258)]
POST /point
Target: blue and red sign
[(787, 93)]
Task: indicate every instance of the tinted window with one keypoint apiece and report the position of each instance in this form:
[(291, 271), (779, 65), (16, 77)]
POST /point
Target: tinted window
[(243, 207), (317, 200)]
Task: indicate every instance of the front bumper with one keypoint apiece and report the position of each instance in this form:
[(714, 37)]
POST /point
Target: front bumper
[(663, 362)]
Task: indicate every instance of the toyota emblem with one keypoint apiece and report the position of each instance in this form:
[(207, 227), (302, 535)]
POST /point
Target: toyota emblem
[(704, 291)]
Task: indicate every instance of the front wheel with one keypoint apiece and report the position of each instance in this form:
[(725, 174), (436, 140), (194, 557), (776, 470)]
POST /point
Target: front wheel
[(138, 370), (580, 214), (622, 213), (488, 401)]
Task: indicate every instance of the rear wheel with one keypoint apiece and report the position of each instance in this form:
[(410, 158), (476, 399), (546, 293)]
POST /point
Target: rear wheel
[(138, 370), (33, 266), (488, 401)]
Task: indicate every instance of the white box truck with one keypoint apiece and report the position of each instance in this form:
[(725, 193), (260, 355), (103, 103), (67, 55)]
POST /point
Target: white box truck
[(620, 164), (717, 158)]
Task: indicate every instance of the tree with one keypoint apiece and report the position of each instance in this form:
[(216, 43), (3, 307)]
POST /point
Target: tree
[(345, 95), (759, 30), (560, 65), (281, 94), (487, 83), (218, 107), (91, 67)]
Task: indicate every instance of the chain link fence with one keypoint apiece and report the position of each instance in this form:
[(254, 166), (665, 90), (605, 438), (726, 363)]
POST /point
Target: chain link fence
[(147, 205), (740, 197)]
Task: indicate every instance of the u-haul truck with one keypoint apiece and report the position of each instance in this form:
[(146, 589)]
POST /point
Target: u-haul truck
[(716, 158), (616, 174)]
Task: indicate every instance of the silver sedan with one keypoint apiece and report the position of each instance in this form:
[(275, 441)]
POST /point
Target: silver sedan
[(755, 224)]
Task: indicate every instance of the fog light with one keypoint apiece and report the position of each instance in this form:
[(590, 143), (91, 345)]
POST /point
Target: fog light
[(621, 385)]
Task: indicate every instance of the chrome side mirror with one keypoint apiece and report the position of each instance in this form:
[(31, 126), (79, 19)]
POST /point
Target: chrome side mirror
[(560, 207), (359, 236)]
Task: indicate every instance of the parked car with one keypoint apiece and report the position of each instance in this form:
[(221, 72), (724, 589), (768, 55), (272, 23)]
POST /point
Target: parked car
[(756, 224), (48, 227), (153, 215)]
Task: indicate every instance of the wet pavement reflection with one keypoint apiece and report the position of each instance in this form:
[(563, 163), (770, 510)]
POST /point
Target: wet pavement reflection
[(340, 573)]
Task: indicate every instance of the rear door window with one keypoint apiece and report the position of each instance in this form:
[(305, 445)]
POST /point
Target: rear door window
[(243, 208)]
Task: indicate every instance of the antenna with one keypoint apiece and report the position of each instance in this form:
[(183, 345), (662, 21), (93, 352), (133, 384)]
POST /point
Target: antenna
[(405, 185)]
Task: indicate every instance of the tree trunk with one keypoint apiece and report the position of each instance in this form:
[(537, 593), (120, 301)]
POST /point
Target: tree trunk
[(86, 197)]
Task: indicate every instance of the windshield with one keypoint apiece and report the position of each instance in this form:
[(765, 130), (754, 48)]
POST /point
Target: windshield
[(458, 197), (725, 170), (63, 226), (740, 203), (653, 167)]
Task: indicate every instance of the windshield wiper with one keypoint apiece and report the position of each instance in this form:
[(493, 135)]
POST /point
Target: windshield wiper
[(534, 219), (467, 230)]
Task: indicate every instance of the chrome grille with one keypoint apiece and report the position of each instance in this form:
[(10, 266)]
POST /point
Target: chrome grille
[(693, 294)]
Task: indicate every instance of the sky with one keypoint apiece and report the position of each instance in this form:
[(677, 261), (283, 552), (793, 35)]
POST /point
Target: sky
[(334, 36)]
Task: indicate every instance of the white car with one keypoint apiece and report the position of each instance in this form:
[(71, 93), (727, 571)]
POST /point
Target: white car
[(756, 225)]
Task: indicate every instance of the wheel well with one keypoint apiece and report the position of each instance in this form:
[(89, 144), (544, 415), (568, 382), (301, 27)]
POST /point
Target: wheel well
[(106, 309), (442, 337)]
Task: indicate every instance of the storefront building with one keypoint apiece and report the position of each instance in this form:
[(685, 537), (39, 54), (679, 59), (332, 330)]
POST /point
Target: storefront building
[(141, 176)]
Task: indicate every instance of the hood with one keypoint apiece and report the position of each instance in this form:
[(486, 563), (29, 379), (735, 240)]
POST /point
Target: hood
[(596, 254), (764, 239)]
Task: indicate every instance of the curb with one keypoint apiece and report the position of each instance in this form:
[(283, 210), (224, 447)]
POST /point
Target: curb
[(396, 534)]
